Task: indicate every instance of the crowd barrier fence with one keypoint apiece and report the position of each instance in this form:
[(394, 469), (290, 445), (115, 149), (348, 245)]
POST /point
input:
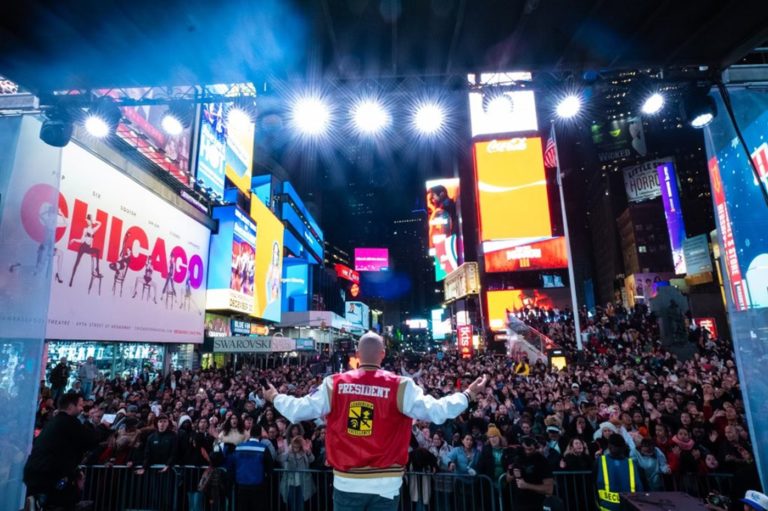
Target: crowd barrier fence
[(120, 488)]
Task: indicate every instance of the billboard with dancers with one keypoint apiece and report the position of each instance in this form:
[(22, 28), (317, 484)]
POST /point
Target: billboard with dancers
[(124, 264)]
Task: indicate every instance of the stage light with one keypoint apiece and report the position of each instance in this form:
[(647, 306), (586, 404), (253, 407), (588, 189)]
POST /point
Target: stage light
[(57, 127), (103, 118), (176, 118), (568, 107), (310, 116), (698, 108), (498, 104), (370, 117), (238, 118), (653, 104), (429, 118), (96, 126)]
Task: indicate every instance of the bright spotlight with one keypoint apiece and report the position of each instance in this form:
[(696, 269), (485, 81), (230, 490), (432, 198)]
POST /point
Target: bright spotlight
[(176, 118), (499, 105), (568, 107), (653, 104), (96, 126), (311, 116), (702, 120), (172, 125), (370, 117), (699, 108), (429, 119), (237, 117)]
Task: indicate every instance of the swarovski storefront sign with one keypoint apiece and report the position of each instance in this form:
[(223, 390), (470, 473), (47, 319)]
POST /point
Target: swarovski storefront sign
[(254, 344)]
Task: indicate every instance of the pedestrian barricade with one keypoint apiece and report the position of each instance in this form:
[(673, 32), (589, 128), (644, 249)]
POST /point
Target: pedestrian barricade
[(192, 488)]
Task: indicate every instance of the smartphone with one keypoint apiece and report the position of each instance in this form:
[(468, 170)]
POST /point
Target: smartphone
[(109, 418), (264, 383)]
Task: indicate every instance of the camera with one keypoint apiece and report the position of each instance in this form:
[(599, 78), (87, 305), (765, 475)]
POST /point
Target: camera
[(715, 499)]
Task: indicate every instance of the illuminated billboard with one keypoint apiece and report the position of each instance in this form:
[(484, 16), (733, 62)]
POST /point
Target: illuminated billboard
[(464, 341), (358, 314), (233, 262), (673, 213), (345, 272), (269, 262), (441, 324), (444, 236), (211, 149), (502, 302), (371, 259), (295, 285), (465, 280), (127, 266), (141, 128), (514, 255), (238, 160), (495, 112), (512, 189)]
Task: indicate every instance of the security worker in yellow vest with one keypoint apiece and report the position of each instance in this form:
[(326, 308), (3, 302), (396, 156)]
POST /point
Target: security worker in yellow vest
[(522, 368), (615, 473)]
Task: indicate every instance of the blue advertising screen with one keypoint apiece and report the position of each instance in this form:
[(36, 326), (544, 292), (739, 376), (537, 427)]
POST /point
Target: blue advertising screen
[(295, 286), (231, 262), (211, 151)]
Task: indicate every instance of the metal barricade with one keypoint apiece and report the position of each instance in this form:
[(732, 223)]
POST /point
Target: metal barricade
[(576, 489), (119, 488)]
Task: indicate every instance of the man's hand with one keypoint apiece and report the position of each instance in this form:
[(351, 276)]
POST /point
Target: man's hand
[(270, 393), (477, 386)]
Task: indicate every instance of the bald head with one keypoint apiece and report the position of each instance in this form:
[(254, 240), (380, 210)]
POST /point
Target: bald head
[(370, 349)]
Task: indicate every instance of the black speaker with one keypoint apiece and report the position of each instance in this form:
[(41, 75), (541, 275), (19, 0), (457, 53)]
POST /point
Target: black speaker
[(661, 501)]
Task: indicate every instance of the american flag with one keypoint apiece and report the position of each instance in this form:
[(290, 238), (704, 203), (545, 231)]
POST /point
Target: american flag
[(550, 154)]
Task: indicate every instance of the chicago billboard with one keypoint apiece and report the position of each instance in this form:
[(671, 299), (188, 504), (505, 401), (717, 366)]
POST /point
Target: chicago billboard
[(233, 262), (269, 262), (127, 266), (444, 237), (371, 259)]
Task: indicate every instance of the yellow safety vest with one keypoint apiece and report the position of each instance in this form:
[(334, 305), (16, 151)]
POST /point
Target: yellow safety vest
[(605, 494)]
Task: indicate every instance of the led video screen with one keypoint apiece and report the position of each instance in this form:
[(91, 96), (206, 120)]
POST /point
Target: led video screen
[(444, 236), (269, 262), (512, 189), (515, 255), (514, 300), (371, 259)]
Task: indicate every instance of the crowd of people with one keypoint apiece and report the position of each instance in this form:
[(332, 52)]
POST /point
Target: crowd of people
[(678, 420)]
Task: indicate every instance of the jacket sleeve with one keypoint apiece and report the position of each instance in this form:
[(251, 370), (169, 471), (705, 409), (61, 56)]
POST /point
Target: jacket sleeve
[(415, 404), (313, 406)]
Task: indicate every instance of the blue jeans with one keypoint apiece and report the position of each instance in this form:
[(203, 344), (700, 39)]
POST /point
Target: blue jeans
[(87, 387), (344, 501)]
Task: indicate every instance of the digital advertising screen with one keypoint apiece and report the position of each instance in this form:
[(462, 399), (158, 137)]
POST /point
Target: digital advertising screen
[(512, 192), (269, 262), (211, 151), (444, 236), (295, 285), (673, 212), (516, 254), (358, 314), (346, 273), (441, 324), (464, 341), (495, 112), (142, 129), (239, 152), (126, 265), (502, 302), (371, 259), (641, 182), (233, 260), (740, 211)]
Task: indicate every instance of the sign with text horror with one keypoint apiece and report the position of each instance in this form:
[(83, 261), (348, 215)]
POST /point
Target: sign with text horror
[(127, 266)]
